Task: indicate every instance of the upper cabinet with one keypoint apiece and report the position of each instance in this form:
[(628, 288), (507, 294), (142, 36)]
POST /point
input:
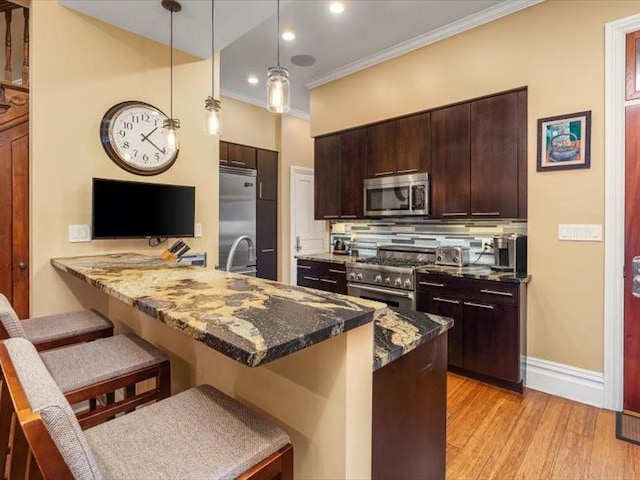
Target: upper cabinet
[(236, 155), (475, 151), (340, 166), (399, 146)]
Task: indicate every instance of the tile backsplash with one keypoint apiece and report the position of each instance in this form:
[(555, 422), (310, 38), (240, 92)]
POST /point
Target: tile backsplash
[(431, 233)]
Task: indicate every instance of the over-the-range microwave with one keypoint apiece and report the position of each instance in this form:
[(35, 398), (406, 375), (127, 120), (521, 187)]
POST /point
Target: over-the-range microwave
[(398, 195)]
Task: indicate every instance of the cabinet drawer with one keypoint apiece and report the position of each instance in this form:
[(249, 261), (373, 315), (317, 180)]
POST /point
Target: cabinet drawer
[(309, 280), (438, 284), (492, 292)]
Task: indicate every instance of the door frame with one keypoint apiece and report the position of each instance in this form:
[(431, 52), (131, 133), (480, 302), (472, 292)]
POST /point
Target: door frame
[(615, 64), (292, 231)]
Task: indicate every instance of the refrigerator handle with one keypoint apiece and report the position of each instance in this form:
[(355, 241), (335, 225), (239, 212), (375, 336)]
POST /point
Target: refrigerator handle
[(298, 247)]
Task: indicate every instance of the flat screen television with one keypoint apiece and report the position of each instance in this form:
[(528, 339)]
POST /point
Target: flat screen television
[(141, 210)]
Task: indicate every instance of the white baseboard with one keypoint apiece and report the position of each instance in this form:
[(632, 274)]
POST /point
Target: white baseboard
[(565, 381)]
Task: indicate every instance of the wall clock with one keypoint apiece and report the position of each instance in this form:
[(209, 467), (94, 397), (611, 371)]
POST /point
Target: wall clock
[(134, 138)]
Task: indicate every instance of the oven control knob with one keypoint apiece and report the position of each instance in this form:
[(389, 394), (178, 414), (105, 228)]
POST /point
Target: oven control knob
[(377, 279), (407, 283), (387, 281), (359, 276), (352, 276), (398, 282)]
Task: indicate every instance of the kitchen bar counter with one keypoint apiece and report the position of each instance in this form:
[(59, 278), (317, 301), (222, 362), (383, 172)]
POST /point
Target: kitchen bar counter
[(250, 320), (479, 272), (328, 257)]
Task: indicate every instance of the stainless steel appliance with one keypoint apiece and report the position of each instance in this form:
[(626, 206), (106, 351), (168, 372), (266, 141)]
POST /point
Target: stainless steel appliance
[(238, 219), (399, 195), (510, 253), (454, 256), (390, 276)]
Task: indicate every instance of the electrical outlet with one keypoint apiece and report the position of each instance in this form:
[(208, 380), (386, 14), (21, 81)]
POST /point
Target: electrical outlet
[(79, 233), (197, 230)]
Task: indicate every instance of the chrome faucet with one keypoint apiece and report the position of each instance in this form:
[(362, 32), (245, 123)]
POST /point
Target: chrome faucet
[(234, 246)]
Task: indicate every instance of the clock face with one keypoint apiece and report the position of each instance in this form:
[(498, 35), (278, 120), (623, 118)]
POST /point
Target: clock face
[(134, 138)]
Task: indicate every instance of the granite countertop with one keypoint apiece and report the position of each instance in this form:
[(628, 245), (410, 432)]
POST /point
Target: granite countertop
[(328, 257), (478, 272), (251, 320)]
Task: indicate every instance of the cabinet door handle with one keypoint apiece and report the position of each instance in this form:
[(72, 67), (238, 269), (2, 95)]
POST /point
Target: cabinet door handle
[(306, 267), (331, 216), (267, 250), (260, 190), (336, 271), (379, 174), (454, 214), (496, 292), (410, 170), (480, 305), (326, 280), (486, 214), (445, 300), (348, 216), (235, 162), (315, 279), (430, 284)]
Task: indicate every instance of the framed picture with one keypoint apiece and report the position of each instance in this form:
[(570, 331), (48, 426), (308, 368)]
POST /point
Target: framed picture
[(564, 142)]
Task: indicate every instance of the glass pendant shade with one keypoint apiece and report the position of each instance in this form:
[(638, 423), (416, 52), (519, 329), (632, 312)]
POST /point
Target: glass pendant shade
[(212, 116), (171, 125), (278, 90)]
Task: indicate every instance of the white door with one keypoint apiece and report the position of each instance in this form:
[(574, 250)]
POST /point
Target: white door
[(307, 234)]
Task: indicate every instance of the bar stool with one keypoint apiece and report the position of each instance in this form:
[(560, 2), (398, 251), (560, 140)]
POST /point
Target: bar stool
[(53, 331), (199, 433)]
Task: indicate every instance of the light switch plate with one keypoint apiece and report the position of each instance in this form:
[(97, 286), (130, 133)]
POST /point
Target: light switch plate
[(581, 232), (197, 230), (79, 233)]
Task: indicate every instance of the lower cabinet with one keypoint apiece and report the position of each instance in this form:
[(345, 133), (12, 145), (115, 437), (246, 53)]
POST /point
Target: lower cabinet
[(487, 338), (267, 239), (327, 276), (410, 415)]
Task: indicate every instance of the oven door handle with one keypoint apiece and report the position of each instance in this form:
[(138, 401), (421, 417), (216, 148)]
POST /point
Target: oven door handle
[(382, 290)]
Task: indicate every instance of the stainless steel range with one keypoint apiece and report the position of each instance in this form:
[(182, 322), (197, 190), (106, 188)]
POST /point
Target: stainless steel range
[(389, 277)]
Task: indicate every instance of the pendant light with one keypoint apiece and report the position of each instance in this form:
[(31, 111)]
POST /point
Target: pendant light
[(212, 114), (278, 82), (171, 125)]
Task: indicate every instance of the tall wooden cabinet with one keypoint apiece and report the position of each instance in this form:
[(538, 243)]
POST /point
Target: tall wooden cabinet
[(267, 214), (14, 197)]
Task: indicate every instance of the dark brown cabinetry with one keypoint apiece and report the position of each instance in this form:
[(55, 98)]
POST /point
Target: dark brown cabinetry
[(267, 214), (399, 147), (327, 276), (478, 165), (450, 157), (267, 163), (487, 338), (235, 155), (340, 162), (409, 415)]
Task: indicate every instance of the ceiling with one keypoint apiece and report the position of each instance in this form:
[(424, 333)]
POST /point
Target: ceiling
[(366, 33)]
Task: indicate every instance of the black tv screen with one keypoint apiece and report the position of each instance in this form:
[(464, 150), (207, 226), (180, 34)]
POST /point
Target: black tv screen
[(142, 210)]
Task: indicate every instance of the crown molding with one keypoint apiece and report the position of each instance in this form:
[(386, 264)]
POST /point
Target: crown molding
[(467, 23), (261, 103)]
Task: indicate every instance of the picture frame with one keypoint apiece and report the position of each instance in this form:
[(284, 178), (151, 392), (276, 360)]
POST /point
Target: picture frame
[(564, 142)]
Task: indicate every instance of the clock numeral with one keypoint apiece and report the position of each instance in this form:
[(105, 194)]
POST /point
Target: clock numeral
[(135, 118), (145, 157), (145, 117), (157, 155), (128, 125), (122, 133), (135, 152), (125, 145)]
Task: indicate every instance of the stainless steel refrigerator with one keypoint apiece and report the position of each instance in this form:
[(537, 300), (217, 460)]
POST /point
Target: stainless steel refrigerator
[(237, 218)]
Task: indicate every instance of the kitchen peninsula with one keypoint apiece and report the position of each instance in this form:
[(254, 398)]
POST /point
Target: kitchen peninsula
[(314, 351)]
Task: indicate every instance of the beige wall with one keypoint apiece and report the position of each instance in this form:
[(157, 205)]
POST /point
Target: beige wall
[(556, 49), (249, 125), (80, 67), (297, 149)]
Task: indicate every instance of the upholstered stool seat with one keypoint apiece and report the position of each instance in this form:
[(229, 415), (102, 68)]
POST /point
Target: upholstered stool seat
[(52, 331), (200, 434), (184, 430), (85, 364)]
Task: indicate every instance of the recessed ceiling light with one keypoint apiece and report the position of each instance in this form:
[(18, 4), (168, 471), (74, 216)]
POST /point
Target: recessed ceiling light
[(336, 7), (252, 79), (288, 35)]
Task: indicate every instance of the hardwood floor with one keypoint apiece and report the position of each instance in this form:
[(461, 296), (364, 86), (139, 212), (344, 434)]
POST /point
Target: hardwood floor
[(495, 434)]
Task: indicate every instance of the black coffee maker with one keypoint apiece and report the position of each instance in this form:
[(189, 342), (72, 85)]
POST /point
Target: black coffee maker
[(510, 253)]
